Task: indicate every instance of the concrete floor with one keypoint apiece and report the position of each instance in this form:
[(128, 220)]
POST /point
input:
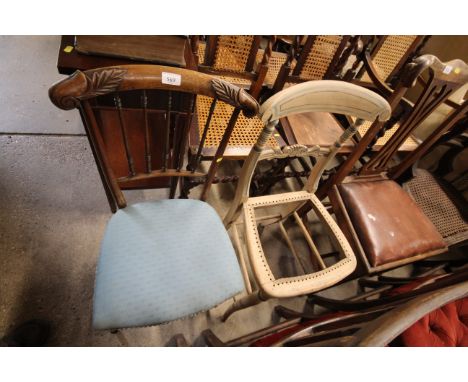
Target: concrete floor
[(53, 212)]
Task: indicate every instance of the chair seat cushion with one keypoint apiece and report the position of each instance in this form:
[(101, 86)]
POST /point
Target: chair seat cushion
[(389, 224), (162, 261), (446, 326)]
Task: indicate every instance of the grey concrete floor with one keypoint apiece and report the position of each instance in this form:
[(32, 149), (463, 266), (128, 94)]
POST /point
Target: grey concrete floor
[(53, 212)]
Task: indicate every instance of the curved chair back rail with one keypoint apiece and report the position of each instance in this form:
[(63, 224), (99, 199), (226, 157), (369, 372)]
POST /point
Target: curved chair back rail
[(326, 96), (67, 94)]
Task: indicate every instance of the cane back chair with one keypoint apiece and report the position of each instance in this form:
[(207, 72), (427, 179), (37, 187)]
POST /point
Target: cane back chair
[(234, 59), (442, 192), (321, 57), (384, 225), (160, 260), (389, 55), (327, 96)]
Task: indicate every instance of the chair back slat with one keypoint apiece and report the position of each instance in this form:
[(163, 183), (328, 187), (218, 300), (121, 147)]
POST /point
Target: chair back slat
[(144, 101), (232, 53), (392, 51), (167, 132), (123, 129), (321, 57), (196, 160), (186, 127), (323, 54)]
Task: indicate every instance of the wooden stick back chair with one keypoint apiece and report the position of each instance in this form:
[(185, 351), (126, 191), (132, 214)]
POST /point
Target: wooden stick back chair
[(159, 260), (327, 96), (156, 101)]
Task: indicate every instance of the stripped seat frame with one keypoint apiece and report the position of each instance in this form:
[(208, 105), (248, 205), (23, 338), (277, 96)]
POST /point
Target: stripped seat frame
[(329, 96)]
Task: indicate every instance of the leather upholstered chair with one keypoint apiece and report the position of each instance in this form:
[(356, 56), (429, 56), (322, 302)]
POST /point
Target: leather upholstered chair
[(384, 225)]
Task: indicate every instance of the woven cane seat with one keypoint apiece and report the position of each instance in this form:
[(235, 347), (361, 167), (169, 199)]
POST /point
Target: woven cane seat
[(437, 206), (389, 55), (243, 137)]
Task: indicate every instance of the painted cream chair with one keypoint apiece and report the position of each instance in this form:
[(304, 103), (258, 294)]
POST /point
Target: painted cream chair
[(314, 96)]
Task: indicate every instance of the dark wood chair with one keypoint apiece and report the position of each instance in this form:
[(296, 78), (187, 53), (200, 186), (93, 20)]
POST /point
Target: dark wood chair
[(234, 59), (319, 58), (159, 260), (389, 55), (441, 190), (385, 226)]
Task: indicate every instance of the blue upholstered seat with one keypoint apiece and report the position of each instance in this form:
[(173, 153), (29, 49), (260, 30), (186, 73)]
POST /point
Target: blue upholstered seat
[(161, 261)]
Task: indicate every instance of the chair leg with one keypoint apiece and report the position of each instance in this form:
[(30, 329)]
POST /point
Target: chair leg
[(180, 340), (242, 303), (121, 337), (211, 339)]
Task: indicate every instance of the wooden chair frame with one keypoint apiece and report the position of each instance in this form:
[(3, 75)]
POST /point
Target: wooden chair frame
[(299, 56), (371, 51), (437, 89), (78, 90), (330, 96), (444, 79), (253, 76)]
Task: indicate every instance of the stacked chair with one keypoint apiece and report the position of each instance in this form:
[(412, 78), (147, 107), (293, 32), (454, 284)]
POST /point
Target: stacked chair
[(170, 259)]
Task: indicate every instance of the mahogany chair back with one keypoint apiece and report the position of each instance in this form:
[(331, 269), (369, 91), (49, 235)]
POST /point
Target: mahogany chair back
[(443, 79), (137, 118)]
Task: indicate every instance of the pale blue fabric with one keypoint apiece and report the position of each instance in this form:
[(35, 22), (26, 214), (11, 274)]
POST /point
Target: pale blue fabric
[(161, 261)]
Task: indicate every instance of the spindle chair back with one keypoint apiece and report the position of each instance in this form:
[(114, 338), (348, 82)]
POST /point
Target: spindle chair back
[(118, 102)]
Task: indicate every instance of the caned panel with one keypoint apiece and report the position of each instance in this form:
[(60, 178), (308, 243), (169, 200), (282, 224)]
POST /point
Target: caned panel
[(232, 53), (320, 57), (245, 132)]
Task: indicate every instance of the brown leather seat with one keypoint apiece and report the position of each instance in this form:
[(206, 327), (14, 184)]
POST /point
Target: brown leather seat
[(389, 224)]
